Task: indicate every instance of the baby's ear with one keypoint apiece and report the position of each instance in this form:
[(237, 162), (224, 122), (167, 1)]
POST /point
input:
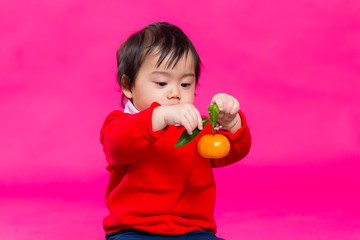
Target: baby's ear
[(126, 86)]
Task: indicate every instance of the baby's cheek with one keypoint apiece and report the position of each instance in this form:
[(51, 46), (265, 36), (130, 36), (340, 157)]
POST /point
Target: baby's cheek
[(188, 99)]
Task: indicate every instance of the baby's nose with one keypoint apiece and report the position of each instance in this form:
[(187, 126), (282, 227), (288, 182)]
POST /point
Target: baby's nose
[(174, 93)]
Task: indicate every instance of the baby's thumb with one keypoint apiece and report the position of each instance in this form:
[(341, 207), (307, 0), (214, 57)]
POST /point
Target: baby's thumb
[(200, 124)]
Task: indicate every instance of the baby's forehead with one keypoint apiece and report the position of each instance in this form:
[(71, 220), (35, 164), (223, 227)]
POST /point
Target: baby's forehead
[(168, 59)]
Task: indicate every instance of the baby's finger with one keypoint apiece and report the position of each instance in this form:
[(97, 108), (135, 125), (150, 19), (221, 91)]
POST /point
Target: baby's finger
[(219, 101), (195, 118), (187, 126), (221, 115), (199, 120), (235, 108), (215, 99), (192, 118), (229, 103)]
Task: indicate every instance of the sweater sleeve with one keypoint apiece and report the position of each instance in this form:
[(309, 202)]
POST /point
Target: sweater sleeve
[(125, 136), (240, 143)]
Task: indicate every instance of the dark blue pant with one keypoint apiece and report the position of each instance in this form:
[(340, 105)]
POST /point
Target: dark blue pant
[(136, 235)]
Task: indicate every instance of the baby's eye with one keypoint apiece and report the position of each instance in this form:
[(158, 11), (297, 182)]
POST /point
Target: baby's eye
[(162, 84), (185, 85)]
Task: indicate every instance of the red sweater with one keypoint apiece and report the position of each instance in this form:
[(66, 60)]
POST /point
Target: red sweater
[(155, 187)]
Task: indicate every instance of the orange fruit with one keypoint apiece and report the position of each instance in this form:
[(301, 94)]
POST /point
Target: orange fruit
[(213, 146)]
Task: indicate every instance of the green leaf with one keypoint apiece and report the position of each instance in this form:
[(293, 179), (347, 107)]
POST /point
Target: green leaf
[(185, 138), (213, 114)]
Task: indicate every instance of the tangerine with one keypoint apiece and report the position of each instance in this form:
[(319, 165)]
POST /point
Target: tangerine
[(213, 146)]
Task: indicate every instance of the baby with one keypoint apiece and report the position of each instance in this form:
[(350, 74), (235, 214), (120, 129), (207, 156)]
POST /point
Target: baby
[(157, 191)]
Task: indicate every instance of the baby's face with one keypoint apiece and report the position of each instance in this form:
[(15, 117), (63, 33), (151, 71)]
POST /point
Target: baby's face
[(164, 85)]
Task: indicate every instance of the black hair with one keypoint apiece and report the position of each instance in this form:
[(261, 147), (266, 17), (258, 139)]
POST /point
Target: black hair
[(167, 39)]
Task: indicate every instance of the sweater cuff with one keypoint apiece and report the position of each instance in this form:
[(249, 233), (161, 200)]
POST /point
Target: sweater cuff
[(146, 125), (239, 133)]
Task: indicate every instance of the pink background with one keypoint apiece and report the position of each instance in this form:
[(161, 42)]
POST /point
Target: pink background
[(293, 65)]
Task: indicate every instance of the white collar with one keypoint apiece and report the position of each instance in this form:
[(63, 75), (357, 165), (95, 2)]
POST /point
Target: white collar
[(130, 108)]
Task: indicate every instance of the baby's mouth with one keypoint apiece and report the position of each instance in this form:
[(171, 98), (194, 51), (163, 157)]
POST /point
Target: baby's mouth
[(174, 103)]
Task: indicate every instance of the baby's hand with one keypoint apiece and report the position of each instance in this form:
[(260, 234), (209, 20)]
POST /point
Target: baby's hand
[(229, 108), (184, 114)]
